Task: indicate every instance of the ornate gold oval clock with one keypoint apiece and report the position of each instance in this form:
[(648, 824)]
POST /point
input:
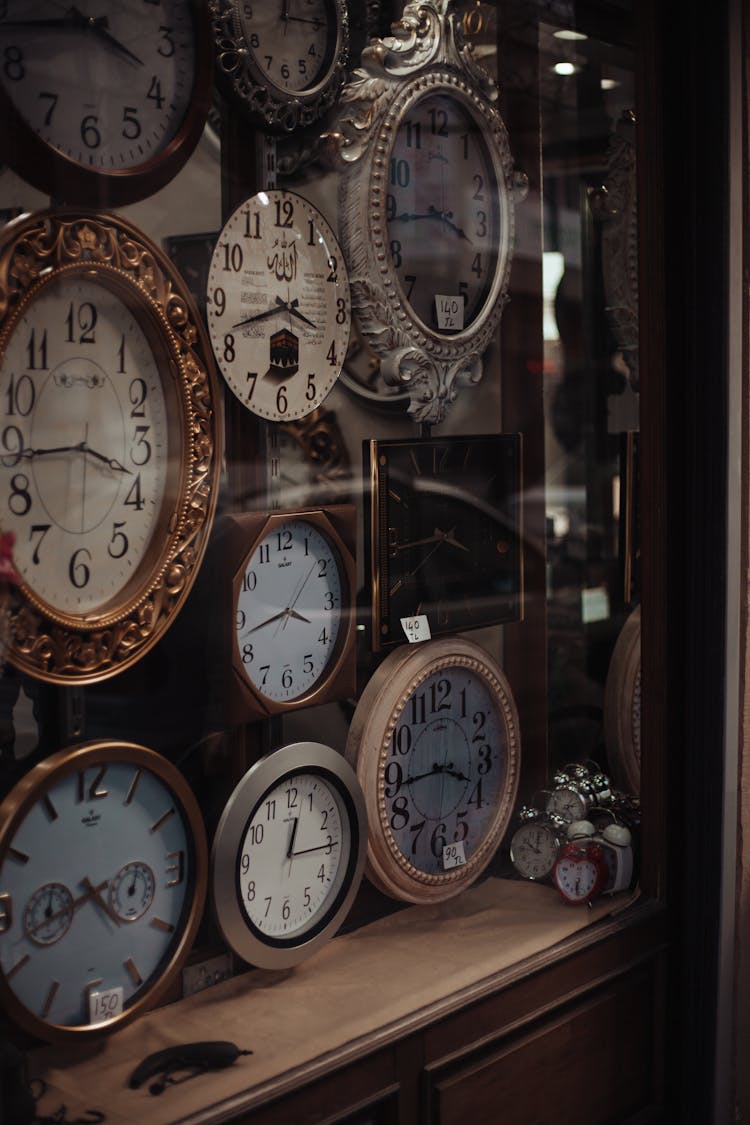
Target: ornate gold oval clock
[(622, 706), (436, 747), (109, 441), (103, 873), (426, 205)]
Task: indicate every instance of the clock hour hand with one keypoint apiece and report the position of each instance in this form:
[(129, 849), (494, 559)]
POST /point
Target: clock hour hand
[(95, 894), (292, 838), (319, 848), (446, 217), (268, 621), (112, 462), (301, 19), (100, 24)]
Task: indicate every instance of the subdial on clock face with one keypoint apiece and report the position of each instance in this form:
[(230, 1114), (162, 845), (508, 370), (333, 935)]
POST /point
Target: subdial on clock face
[(131, 891), (48, 914)]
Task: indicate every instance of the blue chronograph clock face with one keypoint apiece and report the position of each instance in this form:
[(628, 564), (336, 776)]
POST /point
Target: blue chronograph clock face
[(102, 877)]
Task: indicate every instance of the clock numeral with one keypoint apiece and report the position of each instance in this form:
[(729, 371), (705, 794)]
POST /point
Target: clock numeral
[(286, 910), (142, 445), (485, 759), (400, 172), (416, 830), (255, 41), (53, 99), (323, 637), (247, 654), (328, 601), (476, 265), (255, 834), (37, 356), (322, 565), (390, 207), (131, 126), (118, 544), (463, 291), (286, 677), (393, 777), (440, 456), (264, 553), (481, 224), (307, 664), (13, 67), (90, 134), (176, 869), (21, 393), (252, 379), (462, 828), (465, 139), (134, 498), (476, 796), (41, 530), (331, 354), (19, 500), (333, 266), (84, 318), (438, 840), (79, 572), (402, 734), (340, 310), (440, 694), (306, 898), (270, 810), (233, 257), (322, 873), (249, 581), (479, 720), (311, 391), (138, 392), (418, 708), (282, 403), (410, 280), (268, 902), (395, 248), (6, 912), (478, 189), (166, 48), (284, 207), (399, 813), (292, 794), (240, 619), (439, 122), (250, 892), (93, 793), (245, 864), (154, 93), (13, 444), (284, 540), (252, 224), (219, 299), (229, 352), (413, 135)]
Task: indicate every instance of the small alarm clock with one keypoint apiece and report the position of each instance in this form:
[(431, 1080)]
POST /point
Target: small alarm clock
[(580, 872)]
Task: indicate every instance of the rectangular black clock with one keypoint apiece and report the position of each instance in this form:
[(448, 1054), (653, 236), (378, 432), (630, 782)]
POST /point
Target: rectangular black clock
[(444, 533)]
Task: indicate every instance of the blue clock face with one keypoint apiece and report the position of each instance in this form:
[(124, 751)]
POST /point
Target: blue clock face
[(96, 883)]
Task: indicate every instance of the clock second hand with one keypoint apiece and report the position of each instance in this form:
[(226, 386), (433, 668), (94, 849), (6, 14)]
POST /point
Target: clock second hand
[(295, 598)]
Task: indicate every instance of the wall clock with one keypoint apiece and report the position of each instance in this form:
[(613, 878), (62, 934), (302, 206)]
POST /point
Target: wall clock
[(294, 628), (444, 533), (103, 104), (288, 855), (426, 205), (109, 446), (283, 65), (436, 746), (103, 871), (622, 707), (278, 305)]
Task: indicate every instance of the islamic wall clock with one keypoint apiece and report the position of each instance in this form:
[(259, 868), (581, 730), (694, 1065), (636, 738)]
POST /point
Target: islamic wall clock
[(288, 855), (444, 533), (278, 305), (294, 628), (426, 205), (436, 746), (622, 706), (282, 64), (103, 872), (103, 104), (109, 442)]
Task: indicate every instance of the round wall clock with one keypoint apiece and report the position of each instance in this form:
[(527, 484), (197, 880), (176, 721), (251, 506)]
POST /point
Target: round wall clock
[(427, 206), (622, 707), (103, 104), (278, 305), (103, 871), (283, 65), (288, 855), (436, 745), (109, 444), (293, 609)]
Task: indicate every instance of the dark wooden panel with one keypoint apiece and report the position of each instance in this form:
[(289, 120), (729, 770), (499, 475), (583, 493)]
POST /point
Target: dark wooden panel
[(590, 1066)]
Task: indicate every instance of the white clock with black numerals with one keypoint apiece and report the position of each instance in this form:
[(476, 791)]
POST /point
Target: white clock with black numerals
[(278, 305), (288, 854), (436, 747)]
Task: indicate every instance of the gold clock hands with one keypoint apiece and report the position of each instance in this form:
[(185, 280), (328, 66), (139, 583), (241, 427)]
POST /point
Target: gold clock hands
[(441, 537), (95, 894), (70, 907)]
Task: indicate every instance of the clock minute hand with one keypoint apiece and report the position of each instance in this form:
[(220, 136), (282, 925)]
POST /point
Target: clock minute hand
[(319, 848), (446, 217), (257, 316), (268, 621), (99, 25), (112, 462)]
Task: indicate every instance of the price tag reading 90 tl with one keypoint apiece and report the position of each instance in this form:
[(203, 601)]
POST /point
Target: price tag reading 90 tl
[(416, 629), (454, 855)]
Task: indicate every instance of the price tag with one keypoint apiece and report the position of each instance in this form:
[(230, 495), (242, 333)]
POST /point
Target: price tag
[(454, 855), (106, 1005), (416, 629), (450, 312)]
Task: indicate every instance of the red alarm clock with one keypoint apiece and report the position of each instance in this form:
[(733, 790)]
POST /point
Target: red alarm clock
[(580, 871)]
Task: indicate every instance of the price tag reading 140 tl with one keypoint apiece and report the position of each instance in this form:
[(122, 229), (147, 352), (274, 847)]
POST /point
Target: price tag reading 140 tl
[(416, 629), (450, 312), (105, 1005)]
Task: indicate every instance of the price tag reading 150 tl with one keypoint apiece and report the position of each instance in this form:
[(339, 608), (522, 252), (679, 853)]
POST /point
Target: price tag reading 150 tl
[(105, 1005)]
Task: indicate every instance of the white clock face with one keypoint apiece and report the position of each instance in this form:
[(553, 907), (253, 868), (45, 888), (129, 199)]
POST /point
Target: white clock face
[(293, 856), (83, 444), (95, 882), (566, 803), (576, 878), (291, 49), (533, 851), (288, 614), (105, 85), (278, 305), (444, 214), (444, 772)]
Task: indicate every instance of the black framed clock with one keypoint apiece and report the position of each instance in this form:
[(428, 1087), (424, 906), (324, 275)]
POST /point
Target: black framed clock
[(444, 534), (110, 444), (103, 107)]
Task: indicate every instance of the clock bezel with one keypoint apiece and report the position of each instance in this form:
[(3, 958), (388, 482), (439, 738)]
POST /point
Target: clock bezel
[(622, 704), (57, 175), (35, 252), (369, 743), (239, 933), (29, 791)]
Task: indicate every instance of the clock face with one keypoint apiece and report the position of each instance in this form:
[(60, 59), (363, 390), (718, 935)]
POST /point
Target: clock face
[(84, 445), (102, 875), (110, 92), (289, 610), (435, 741), (578, 877), (288, 854), (444, 213), (278, 305), (566, 803), (293, 50), (533, 850), (444, 533)]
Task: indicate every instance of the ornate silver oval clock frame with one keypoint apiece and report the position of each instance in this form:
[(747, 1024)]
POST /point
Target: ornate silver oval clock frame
[(265, 103), (426, 56)]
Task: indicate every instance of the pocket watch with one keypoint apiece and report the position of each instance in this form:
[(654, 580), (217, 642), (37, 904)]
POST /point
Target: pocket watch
[(426, 205), (278, 305), (109, 443), (444, 533), (103, 871), (580, 871), (536, 842), (103, 105), (622, 706), (293, 641), (436, 745), (282, 65), (288, 855)]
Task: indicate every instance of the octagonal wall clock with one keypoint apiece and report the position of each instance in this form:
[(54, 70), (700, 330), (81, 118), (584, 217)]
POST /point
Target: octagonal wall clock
[(426, 205), (103, 103), (109, 442)]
